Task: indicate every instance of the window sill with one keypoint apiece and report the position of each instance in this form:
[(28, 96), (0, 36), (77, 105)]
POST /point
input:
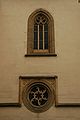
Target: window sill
[(41, 55), (38, 76)]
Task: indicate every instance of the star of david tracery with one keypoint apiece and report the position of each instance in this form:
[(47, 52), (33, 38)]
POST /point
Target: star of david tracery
[(38, 95)]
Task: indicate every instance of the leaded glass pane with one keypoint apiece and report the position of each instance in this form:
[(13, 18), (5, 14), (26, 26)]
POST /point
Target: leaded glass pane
[(46, 40), (41, 36), (40, 40), (35, 37), (35, 28), (46, 36), (46, 27)]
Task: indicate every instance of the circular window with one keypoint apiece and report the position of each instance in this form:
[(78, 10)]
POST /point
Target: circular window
[(38, 96)]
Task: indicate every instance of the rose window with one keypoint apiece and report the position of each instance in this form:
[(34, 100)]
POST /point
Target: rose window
[(38, 96)]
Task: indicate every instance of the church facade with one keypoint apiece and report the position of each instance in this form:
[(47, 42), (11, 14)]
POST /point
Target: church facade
[(39, 59)]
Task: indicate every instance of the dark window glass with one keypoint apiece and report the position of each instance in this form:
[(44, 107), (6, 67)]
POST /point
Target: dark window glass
[(41, 40), (46, 27), (46, 40), (40, 36), (46, 36), (35, 27), (40, 27), (35, 37), (35, 40)]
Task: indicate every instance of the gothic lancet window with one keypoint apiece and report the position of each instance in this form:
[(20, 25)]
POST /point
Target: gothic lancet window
[(41, 32), (40, 37)]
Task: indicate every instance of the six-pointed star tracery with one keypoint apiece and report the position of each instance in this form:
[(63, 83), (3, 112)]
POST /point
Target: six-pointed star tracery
[(38, 95)]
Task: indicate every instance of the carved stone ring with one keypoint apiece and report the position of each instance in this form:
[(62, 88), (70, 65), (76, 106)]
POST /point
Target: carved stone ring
[(38, 96)]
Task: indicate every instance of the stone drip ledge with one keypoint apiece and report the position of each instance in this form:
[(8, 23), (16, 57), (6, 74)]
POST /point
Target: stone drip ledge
[(37, 76)]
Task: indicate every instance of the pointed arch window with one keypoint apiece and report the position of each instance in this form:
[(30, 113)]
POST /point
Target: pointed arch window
[(40, 37), (41, 32)]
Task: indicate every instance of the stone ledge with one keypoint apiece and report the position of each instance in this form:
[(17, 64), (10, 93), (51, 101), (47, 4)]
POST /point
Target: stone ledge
[(10, 105), (41, 55), (36, 76), (67, 105)]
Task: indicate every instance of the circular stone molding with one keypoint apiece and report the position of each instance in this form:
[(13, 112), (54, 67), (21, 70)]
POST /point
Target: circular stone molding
[(38, 96)]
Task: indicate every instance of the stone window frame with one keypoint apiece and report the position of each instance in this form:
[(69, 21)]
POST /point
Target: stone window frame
[(27, 81), (30, 35)]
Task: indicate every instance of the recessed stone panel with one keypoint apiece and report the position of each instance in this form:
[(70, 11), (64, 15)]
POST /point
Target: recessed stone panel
[(37, 94)]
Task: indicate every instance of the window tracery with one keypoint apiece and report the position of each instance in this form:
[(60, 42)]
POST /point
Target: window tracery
[(41, 32), (40, 35)]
